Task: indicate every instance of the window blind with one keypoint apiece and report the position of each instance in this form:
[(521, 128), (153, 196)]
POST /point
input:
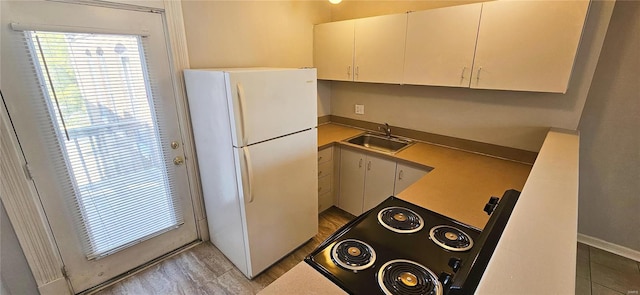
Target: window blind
[(98, 101)]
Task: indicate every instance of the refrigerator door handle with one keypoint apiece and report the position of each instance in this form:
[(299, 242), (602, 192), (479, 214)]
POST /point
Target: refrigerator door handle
[(242, 104), (247, 161)]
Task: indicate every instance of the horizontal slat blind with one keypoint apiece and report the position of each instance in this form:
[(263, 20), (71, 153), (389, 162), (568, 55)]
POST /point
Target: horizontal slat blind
[(99, 100)]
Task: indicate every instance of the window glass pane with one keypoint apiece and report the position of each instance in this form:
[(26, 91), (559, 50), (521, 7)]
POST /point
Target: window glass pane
[(99, 95)]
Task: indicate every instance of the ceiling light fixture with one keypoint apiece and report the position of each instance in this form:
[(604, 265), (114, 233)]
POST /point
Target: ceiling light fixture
[(335, 1)]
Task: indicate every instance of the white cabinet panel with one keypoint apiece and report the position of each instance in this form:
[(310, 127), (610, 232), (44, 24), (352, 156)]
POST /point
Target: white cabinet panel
[(440, 45), (326, 178), (325, 155), (324, 185), (365, 181), (504, 45), (528, 45), (407, 175), (325, 169), (378, 181), (325, 201), (352, 173), (379, 48), (333, 50)]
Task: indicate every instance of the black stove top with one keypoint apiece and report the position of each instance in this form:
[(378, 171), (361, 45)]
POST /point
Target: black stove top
[(400, 248)]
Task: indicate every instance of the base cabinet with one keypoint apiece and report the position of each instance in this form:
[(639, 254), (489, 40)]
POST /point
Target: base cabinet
[(407, 175), (326, 178), (379, 181), (352, 177), (365, 181)]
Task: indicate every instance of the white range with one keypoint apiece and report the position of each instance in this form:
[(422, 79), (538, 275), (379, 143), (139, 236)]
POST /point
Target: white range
[(256, 143)]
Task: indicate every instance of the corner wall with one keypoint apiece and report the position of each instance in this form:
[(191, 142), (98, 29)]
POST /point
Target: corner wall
[(255, 34), (252, 33), (508, 118), (609, 200)]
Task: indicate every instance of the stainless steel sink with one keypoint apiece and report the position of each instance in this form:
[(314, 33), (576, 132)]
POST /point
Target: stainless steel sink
[(380, 142)]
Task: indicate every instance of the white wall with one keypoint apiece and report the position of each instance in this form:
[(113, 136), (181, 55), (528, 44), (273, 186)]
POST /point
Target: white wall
[(15, 275), (609, 201), (507, 118), (255, 34)]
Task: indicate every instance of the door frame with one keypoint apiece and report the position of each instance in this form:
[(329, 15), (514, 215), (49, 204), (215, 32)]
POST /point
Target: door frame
[(19, 194)]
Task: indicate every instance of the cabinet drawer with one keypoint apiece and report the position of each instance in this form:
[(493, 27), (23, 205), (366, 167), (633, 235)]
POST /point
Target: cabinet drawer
[(325, 155), (325, 201), (324, 185), (325, 169)]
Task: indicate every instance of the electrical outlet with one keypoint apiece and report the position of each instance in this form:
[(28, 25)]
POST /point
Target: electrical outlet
[(360, 109)]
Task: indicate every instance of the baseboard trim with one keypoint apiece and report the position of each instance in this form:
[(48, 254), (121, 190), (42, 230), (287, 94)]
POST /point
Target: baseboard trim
[(55, 287), (609, 247), (324, 119)]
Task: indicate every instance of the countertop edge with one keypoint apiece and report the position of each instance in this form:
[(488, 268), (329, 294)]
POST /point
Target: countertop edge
[(537, 254), (290, 283)]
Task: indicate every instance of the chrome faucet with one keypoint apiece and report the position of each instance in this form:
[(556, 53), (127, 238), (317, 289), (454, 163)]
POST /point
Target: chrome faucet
[(386, 129)]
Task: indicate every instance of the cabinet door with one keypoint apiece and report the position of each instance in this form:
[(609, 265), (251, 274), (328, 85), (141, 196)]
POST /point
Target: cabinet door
[(333, 50), (352, 173), (379, 181), (379, 48), (528, 45), (406, 176), (440, 45)]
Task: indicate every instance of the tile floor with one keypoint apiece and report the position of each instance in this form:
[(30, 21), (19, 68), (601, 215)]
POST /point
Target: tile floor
[(602, 273)]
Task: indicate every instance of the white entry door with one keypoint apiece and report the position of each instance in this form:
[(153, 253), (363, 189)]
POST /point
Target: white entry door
[(89, 92)]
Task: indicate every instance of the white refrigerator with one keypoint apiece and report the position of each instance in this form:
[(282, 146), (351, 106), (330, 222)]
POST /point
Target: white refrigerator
[(256, 143)]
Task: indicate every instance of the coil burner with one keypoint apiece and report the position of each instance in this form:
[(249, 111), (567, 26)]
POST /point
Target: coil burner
[(353, 254), (400, 220), (406, 277), (451, 238)]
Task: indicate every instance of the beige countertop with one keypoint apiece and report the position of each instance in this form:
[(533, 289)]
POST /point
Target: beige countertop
[(460, 183), (302, 279), (531, 250)]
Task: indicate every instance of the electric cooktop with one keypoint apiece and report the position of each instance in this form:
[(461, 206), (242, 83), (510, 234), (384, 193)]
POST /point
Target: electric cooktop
[(400, 248)]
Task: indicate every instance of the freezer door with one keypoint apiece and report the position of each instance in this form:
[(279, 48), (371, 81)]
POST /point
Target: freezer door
[(280, 197), (267, 104)]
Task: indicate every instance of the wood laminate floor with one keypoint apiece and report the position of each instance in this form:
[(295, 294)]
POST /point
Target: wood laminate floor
[(203, 269)]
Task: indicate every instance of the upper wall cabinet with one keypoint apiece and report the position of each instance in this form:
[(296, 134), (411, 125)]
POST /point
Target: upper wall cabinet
[(528, 45), (505, 45), (440, 45), (351, 50), (333, 50), (379, 48)]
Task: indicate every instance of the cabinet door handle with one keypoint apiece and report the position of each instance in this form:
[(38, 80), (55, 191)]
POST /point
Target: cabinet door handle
[(360, 164), (369, 165), (319, 158), (319, 188), (357, 71), (319, 173), (400, 175), (462, 74), (478, 76), (348, 71)]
